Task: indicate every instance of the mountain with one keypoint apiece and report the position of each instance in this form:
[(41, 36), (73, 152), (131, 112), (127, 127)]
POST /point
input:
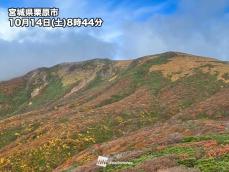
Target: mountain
[(164, 112)]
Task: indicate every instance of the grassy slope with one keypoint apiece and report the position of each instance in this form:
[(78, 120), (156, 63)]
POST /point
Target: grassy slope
[(58, 148)]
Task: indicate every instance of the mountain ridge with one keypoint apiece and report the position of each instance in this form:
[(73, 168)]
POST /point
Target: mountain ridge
[(71, 63)]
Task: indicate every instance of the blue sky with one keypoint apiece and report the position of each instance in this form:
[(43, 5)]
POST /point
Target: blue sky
[(132, 28)]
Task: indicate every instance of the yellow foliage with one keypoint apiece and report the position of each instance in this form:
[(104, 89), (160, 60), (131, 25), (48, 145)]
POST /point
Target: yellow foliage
[(182, 66), (17, 134), (2, 160), (119, 119)]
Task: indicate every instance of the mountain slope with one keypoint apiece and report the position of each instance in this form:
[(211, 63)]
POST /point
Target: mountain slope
[(170, 107)]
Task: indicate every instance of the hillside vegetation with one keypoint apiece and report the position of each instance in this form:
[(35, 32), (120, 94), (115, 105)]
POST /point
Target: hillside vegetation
[(166, 112)]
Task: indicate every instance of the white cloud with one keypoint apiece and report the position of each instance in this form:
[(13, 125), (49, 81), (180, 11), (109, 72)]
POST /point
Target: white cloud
[(198, 27), (7, 33)]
